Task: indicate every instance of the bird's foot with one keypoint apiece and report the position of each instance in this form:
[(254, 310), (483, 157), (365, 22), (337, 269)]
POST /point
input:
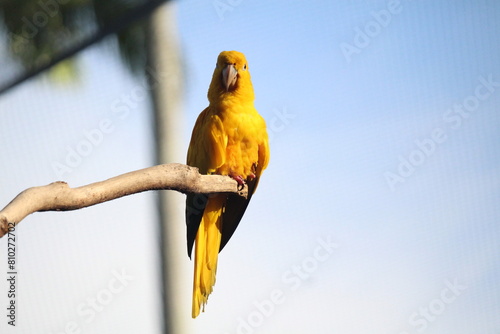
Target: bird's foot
[(241, 181)]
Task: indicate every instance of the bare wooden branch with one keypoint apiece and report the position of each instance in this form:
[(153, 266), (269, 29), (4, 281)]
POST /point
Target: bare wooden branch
[(58, 196)]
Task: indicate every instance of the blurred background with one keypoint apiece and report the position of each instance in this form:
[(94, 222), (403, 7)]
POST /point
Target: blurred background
[(378, 212)]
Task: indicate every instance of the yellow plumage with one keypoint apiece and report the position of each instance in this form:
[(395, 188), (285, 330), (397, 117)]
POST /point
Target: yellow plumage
[(229, 138)]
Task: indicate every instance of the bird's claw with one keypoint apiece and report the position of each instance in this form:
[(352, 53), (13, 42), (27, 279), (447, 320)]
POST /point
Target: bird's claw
[(241, 181)]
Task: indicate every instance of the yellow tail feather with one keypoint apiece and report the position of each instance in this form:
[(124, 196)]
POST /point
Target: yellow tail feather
[(207, 247)]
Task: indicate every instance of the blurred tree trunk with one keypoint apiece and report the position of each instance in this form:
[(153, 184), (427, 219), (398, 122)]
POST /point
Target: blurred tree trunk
[(164, 68)]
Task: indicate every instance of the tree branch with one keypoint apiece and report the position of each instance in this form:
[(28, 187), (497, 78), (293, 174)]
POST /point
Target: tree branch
[(58, 196)]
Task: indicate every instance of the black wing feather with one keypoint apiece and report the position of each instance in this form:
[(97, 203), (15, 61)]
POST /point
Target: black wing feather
[(234, 210), (195, 205)]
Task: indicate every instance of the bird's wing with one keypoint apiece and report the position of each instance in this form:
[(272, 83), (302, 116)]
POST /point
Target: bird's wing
[(207, 151), (236, 205)]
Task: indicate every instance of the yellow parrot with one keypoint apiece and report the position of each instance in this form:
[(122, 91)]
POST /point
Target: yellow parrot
[(229, 138)]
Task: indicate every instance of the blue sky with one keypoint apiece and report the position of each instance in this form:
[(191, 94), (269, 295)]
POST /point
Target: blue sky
[(340, 125)]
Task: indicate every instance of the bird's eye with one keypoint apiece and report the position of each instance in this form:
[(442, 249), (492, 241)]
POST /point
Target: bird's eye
[(245, 67)]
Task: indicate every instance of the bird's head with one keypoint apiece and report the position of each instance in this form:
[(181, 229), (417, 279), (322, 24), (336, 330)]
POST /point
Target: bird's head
[(231, 77)]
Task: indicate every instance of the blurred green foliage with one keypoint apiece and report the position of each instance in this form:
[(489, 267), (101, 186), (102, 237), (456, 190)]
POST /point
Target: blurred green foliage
[(39, 30)]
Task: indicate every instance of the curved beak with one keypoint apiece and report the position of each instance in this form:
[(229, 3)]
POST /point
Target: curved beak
[(229, 76)]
